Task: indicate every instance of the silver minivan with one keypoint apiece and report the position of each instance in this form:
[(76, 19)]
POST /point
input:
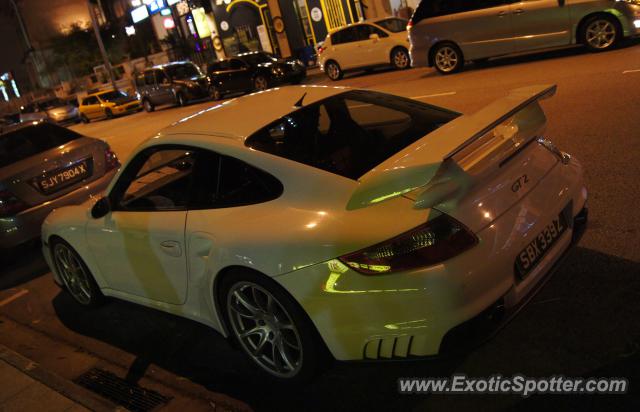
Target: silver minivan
[(446, 33)]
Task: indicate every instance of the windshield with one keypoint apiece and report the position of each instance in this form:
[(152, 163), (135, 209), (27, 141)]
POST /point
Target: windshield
[(29, 141), (257, 58), (113, 95), (393, 25), (351, 133), (182, 71)]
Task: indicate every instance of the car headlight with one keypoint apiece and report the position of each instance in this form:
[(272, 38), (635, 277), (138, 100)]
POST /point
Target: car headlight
[(299, 62)]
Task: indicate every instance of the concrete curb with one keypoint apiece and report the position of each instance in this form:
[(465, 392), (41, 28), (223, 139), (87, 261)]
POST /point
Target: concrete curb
[(57, 383)]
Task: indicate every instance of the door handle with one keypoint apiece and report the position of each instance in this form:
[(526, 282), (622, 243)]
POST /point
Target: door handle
[(518, 11), (502, 13), (171, 248)]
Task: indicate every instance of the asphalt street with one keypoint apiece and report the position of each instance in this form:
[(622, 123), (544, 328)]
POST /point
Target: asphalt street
[(584, 323)]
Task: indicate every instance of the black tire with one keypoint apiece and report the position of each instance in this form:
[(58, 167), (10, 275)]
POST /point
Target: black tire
[(333, 70), (260, 82), (181, 100), (400, 59), (108, 113), (302, 331), (84, 119), (86, 291), (447, 58), (215, 93), (148, 106), (600, 32)]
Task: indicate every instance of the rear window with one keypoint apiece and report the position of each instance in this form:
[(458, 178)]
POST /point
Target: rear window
[(182, 71), (23, 143), (351, 133), (393, 25)]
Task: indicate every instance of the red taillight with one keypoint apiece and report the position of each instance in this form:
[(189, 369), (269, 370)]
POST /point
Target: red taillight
[(110, 160), (321, 49), (437, 240), (10, 205), (409, 24)]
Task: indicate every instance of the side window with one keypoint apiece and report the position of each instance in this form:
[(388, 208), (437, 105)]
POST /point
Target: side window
[(369, 30), (157, 180), (161, 78), (347, 35), (149, 80), (237, 64), (223, 181), (140, 80)]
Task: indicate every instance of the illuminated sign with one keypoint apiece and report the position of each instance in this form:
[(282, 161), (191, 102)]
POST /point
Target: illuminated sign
[(155, 6), (130, 30), (136, 3), (172, 2), (200, 19), (165, 12), (168, 23), (139, 14)]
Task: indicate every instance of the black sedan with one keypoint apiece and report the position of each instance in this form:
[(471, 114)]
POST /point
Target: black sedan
[(253, 71)]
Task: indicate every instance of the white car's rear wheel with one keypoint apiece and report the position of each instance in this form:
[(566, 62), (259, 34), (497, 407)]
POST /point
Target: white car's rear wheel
[(333, 70), (76, 276), (269, 326)]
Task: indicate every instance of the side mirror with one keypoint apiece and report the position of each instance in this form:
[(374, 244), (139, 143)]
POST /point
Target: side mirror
[(101, 208), (374, 36)]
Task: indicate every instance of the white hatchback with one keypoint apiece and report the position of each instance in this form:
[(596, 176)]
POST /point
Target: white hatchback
[(365, 45)]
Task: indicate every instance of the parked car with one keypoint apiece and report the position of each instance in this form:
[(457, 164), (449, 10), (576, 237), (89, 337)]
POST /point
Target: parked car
[(365, 45), (172, 83), (253, 71), (107, 104), (446, 33), (370, 224), (43, 167), (52, 109)]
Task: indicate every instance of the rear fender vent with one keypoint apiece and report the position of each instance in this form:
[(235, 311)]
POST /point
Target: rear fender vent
[(388, 347), (126, 394)]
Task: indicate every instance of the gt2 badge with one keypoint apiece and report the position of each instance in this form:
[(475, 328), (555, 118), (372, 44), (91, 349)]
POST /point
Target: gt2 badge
[(519, 184)]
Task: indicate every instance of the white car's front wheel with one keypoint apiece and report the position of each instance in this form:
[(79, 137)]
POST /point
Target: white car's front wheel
[(400, 59), (333, 70), (269, 326), (75, 274)]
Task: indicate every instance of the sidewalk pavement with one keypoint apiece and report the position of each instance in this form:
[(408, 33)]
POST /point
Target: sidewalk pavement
[(26, 386)]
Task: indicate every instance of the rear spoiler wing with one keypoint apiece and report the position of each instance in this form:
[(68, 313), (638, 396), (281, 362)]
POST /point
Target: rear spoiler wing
[(442, 157)]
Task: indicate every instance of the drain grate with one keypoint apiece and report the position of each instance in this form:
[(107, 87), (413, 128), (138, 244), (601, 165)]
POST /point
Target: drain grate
[(121, 392)]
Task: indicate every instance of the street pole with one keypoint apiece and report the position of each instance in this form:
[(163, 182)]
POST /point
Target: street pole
[(30, 51), (103, 51)]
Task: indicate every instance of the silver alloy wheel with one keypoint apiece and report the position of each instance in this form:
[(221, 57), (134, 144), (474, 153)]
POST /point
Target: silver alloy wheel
[(180, 99), (260, 83), (600, 34), (400, 59), (446, 58), (265, 329), (333, 71), (147, 106), (73, 273)]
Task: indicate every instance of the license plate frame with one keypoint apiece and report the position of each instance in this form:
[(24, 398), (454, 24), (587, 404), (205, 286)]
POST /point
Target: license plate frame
[(531, 255), (63, 177)]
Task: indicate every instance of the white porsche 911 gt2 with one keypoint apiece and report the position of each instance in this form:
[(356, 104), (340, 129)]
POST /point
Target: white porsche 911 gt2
[(308, 218)]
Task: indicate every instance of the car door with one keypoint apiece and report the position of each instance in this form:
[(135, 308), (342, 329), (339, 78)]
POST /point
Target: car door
[(482, 28), (239, 75), (540, 23), (151, 87), (378, 45), (219, 74), (164, 87), (345, 48), (141, 240), (91, 107)]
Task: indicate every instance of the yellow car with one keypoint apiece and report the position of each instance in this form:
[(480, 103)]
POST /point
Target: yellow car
[(107, 104)]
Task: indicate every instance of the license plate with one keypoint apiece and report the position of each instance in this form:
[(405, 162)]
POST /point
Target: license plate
[(531, 255), (58, 179)]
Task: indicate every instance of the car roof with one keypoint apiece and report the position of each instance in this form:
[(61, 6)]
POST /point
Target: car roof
[(241, 117), (178, 63)]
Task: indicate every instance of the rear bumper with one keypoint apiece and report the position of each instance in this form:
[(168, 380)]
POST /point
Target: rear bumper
[(417, 313), (26, 226), (419, 56)]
